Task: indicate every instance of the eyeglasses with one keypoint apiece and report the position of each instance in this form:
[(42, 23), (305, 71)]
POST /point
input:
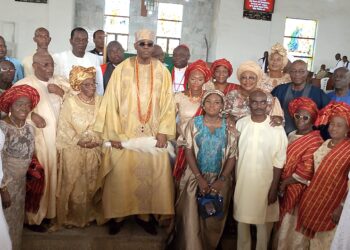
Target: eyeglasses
[(302, 117), (248, 78), (144, 44), (300, 72), (7, 70)]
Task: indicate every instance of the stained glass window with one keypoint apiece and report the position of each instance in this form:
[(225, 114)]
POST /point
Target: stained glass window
[(299, 39), (117, 18), (169, 26)]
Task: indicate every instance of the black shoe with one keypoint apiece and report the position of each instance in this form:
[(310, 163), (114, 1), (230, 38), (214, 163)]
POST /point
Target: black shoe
[(114, 227), (37, 228), (149, 226)]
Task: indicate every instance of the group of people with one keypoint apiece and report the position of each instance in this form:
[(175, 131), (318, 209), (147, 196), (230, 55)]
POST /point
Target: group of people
[(84, 142)]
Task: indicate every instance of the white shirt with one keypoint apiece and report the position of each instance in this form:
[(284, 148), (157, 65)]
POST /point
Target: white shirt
[(338, 64), (179, 79), (262, 62), (66, 60)]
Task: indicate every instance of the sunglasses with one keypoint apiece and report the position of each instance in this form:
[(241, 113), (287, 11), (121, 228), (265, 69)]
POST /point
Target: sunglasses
[(144, 44), (302, 117)]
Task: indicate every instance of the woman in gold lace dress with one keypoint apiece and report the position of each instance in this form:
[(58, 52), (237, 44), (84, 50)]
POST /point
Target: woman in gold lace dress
[(275, 76), (17, 154), (79, 151)]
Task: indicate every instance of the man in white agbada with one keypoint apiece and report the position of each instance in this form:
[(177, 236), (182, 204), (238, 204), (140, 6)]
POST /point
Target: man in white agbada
[(44, 118), (78, 57), (5, 241), (262, 153)]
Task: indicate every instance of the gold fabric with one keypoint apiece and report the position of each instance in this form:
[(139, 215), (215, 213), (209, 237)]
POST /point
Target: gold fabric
[(144, 34), (132, 182), (78, 74), (280, 50), (322, 240), (45, 143), (193, 232), (287, 238), (78, 167), (185, 111), (268, 83)]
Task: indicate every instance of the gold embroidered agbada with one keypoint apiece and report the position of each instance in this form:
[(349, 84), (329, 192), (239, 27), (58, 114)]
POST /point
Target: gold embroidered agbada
[(131, 182), (45, 143), (78, 167)]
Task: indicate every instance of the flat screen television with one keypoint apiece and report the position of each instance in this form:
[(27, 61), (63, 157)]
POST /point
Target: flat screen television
[(265, 6)]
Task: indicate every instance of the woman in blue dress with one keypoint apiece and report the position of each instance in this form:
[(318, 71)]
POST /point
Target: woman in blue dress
[(210, 155)]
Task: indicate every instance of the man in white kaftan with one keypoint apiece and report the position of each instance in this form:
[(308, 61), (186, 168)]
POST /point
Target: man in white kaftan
[(262, 154), (44, 118)]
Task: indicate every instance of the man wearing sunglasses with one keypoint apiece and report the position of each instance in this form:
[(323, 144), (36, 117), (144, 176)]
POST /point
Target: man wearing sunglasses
[(297, 88), (138, 103)]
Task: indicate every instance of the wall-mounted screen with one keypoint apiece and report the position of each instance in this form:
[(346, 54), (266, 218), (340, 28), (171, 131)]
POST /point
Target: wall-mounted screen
[(266, 6)]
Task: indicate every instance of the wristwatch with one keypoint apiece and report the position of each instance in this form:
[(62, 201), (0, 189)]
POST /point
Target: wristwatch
[(222, 178)]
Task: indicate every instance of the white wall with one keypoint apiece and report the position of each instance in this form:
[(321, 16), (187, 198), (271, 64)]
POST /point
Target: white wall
[(56, 16), (239, 39)]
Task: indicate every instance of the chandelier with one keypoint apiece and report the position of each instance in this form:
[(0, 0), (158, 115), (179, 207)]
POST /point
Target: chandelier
[(151, 5)]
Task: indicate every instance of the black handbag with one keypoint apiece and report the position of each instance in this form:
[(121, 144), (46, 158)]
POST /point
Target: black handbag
[(210, 205)]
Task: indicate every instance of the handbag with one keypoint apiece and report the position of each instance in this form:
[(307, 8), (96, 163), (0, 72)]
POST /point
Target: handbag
[(210, 205), (35, 185)]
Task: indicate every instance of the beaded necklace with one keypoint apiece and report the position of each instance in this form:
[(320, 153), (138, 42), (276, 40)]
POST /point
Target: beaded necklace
[(195, 99), (143, 118), (90, 101)]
